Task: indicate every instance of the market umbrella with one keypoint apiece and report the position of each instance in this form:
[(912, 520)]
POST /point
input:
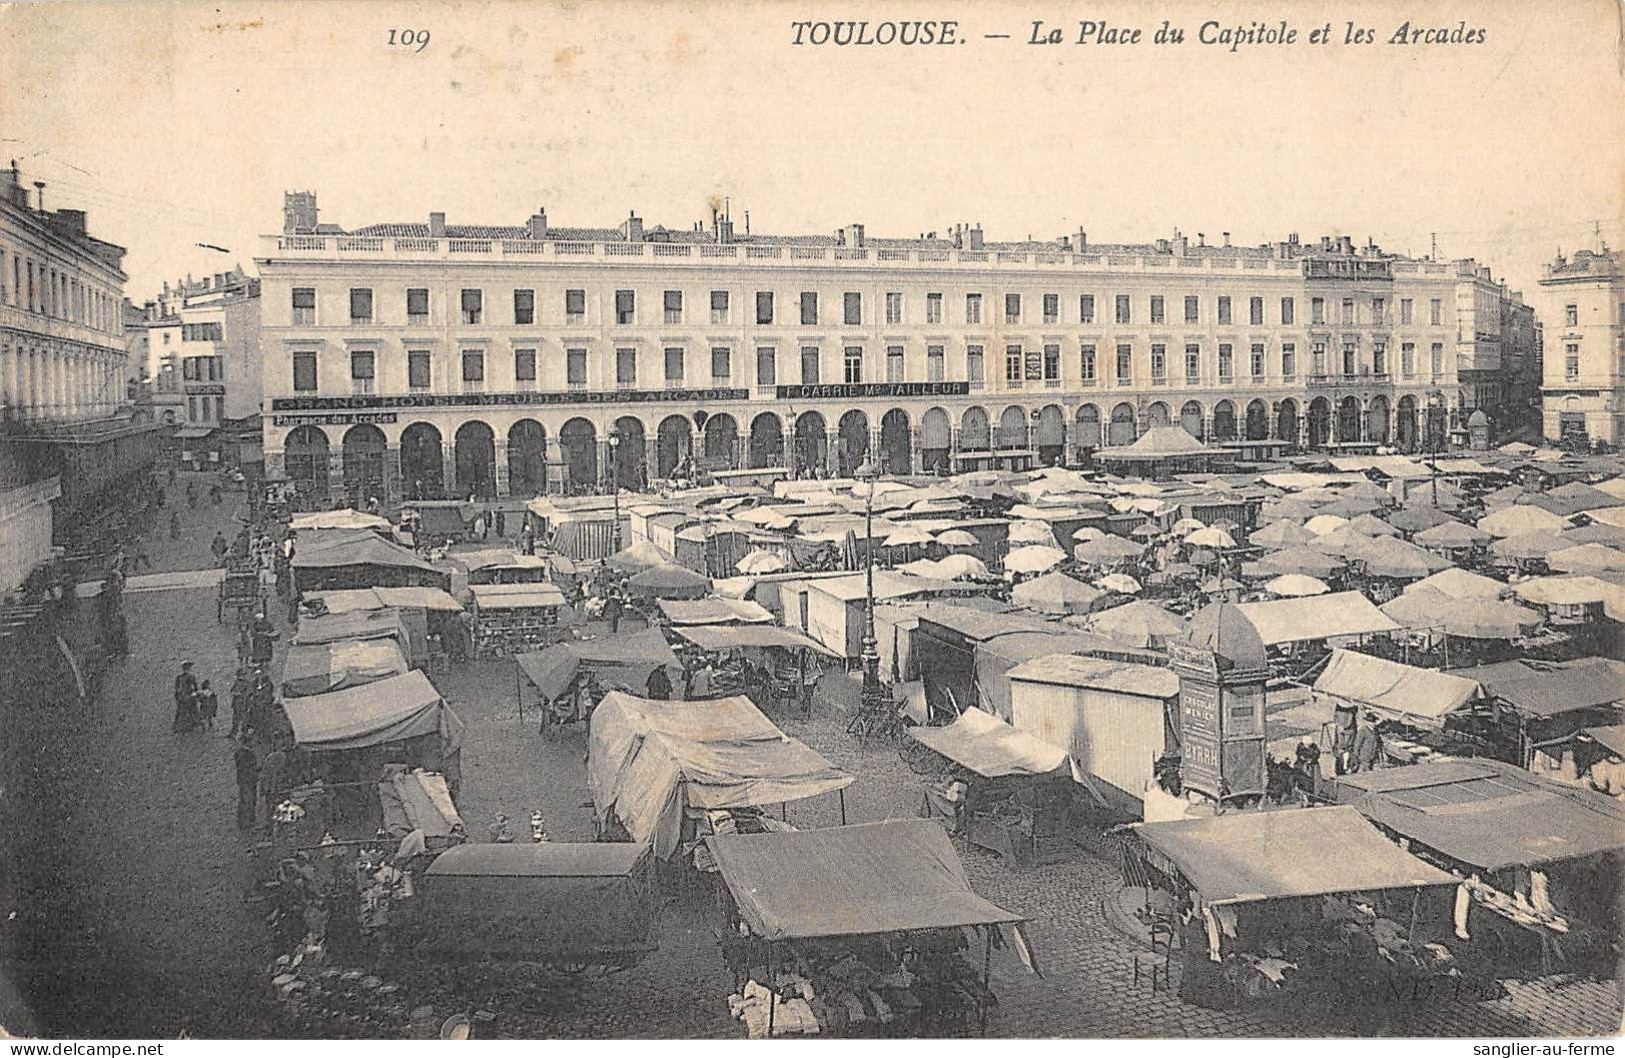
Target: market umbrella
[(1522, 518), (1452, 536), (1213, 537), (758, 562), (1460, 584), (670, 582), (1526, 546), (1055, 593), (1221, 584), (1586, 558), (1203, 557), (924, 567), (1517, 448), (962, 567), (1121, 583), (1145, 532), (1085, 533), (1566, 591), (1371, 525), (1349, 507), (1137, 624), (1107, 550), (1301, 560), (908, 536), (1031, 533), (1296, 585), (1035, 559), (1485, 619), (1416, 519), (1280, 534), (1396, 559), (641, 555), (766, 517), (1321, 524), (1343, 542), (1369, 490), (1187, 525), (1290, 510), (957, 538)]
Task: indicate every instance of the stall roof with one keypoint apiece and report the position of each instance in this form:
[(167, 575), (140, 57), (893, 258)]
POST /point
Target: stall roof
[(1398, 690), (732, 637), (386, 711), (980, 625), (496, 558), (1160, 442), (990, 747), (1550, 689), (1610, 736), (1505, 818), (1266, 855), (1343, 613), (317, 668), (553, 669), (515, 596), (888, 585), (351, 624), (649, 760), (714, 611), (362, 548), (346, 600), (546, 859), (345, 519), (886, 877), (1122, 677)]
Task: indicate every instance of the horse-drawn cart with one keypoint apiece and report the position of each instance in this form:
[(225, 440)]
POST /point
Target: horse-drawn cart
[(240, 590)]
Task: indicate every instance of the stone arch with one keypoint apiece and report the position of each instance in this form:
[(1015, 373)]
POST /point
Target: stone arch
[(1157, 414), (578, 438), (721, 441), (1086, 428), (423, 461), (1193, 419), (1122, 430), (1348, 419), (812, 442), (766, 441), (1013, 431), (1405, 426), (674, 443), (304, 460), (363, 447), (1257, 424), (476, 455), (1286, 421), (1049, 436), (852, 442), (527, 458), (1376, 420), (896, 443), (975, 434), (1319, 422), (1224, 421), (936, 438), (631, 457)]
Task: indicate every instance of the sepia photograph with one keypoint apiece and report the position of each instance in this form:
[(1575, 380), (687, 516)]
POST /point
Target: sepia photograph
[(707, 520)]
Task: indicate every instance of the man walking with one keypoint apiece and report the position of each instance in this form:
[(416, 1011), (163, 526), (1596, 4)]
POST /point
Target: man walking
[(185, 699)]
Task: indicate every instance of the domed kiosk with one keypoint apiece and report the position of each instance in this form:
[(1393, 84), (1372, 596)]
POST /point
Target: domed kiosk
[(1222, 665)]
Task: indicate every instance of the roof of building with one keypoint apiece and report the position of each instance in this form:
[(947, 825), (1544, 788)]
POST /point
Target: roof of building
[(1226, 631)]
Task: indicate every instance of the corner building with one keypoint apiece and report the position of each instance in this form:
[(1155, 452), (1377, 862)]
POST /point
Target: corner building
[(436, 359)]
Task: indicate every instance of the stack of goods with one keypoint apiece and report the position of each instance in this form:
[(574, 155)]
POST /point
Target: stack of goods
[(763, 1011)]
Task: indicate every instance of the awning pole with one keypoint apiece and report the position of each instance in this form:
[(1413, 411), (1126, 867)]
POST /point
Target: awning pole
[(841, 793), (987, 963), (772, 991), (518, 690)]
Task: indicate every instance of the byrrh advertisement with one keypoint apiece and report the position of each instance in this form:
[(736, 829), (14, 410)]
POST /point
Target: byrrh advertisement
[(524, 520)]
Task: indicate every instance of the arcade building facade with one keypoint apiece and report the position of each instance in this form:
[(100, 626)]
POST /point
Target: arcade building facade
[(425, 360)]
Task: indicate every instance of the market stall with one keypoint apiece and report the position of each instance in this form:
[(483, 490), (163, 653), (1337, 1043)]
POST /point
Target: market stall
[(501, 566), (777, 664), (510, 618), (317, 668), (858, 930), (400, 719), (358, 558), (316, 629), (439, 521), (571, 676)]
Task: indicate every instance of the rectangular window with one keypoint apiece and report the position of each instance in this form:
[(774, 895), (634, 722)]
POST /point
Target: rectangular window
[(933, 308), (191, 409), (473, 304), (417, 305), (719, 306), (1407, 359), (189, 369), (1012, 366), (1086, 308), (722, 364), (1350, 358), (473, 365), (304, 371), (1086, 363), (1159, 363), (1289, 362), (304, 305), (1012, 308), (1123, 314), (764, 306), (1348, 311), (1571, 361), (1257, 365), (1227, 362), (1193, 363), (894, 363), (767, 366), (1193, 308), (1436, 359), (1125, 363), (626, 367), (524, 367), (973, 308), (1405, 311), (1318, 355), (1379, 358), (852, 359), (418, 370), (626, 306), (361, 365), (975, 367), (524, 307), (1435, 312), (935, 363), (1317, 310), (575, 368), (809, 308), (852, 308), (1571, 315), (1288, 312), (810, 358), (894, 307), (1379, 311), (1052, 308), (1255, 311), (675, 367), (672, 303), (575, 306), (1052, 364), (1224, 309), (1158, 309), (360, 305)]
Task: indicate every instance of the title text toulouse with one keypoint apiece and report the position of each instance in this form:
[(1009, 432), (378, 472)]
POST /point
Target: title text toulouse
[(1090, 31)]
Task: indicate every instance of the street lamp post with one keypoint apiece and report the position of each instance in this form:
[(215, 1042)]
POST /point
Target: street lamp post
[(869, 474), (1435, 404), (615, 486)]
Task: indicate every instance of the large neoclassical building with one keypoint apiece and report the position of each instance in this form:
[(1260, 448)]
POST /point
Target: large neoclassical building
[(441, 359)]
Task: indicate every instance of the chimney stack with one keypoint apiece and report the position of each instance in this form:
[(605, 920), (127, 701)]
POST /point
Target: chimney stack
[(39, 187), (1201, 238), (1081, 244), (633, 228), (975, 233), (1226, 238), (437, 225), (538, 224)]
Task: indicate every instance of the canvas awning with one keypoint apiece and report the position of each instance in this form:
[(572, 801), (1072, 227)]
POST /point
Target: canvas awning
[(1244, 857), (515, 596), (1343, 613), (318, 668), (348, 600), (734, 637), (1120, 677), (361, 548), (390, 710), (630, 658), (885, 877), (648, 760), (345, 519), (353, 624), (713, 611), (990, 747), (1419, 696)]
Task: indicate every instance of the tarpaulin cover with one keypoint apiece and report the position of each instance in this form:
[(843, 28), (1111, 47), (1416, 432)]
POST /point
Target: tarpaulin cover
[(353, 624), (1554, 689), (1343, 613), (408, 598), (356, 549), (1402, 691), (497, 558), (669, 582), (870, 878), (391, 710), (731, 637), (1120, 677), (649, 760), (1611, 736), (345, 519), (1056, 593), (419, 800), (1508, 818), (515, 596), (318, 668), (714, 612), (990, 747), (1249, 856), (641, 555), (631, 658)]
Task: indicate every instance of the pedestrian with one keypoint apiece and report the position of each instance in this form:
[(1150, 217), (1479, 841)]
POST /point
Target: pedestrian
[(248, 784), (1308, 764), (241, 689), (1367, 744), (1342, 739), (185, 699), (208, 706), (218, 548), (261, 633), (171, 477), (527, 541), (140, 558), (501, 523), (271, 781), (175, 525), (117, 635), (659, 686), (612, 611), (191, 494)]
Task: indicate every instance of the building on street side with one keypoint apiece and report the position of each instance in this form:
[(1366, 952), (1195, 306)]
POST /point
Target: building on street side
[(1582, 312)]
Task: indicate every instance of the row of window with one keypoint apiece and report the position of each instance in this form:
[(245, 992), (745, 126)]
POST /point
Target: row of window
[(35, 286), (201, 369), (1020, 365), (202, 332), (1571, 314), (471, 306), (205, 409)]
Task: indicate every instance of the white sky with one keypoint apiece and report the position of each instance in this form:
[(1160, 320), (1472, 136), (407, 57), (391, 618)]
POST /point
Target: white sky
[(182, 123)]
